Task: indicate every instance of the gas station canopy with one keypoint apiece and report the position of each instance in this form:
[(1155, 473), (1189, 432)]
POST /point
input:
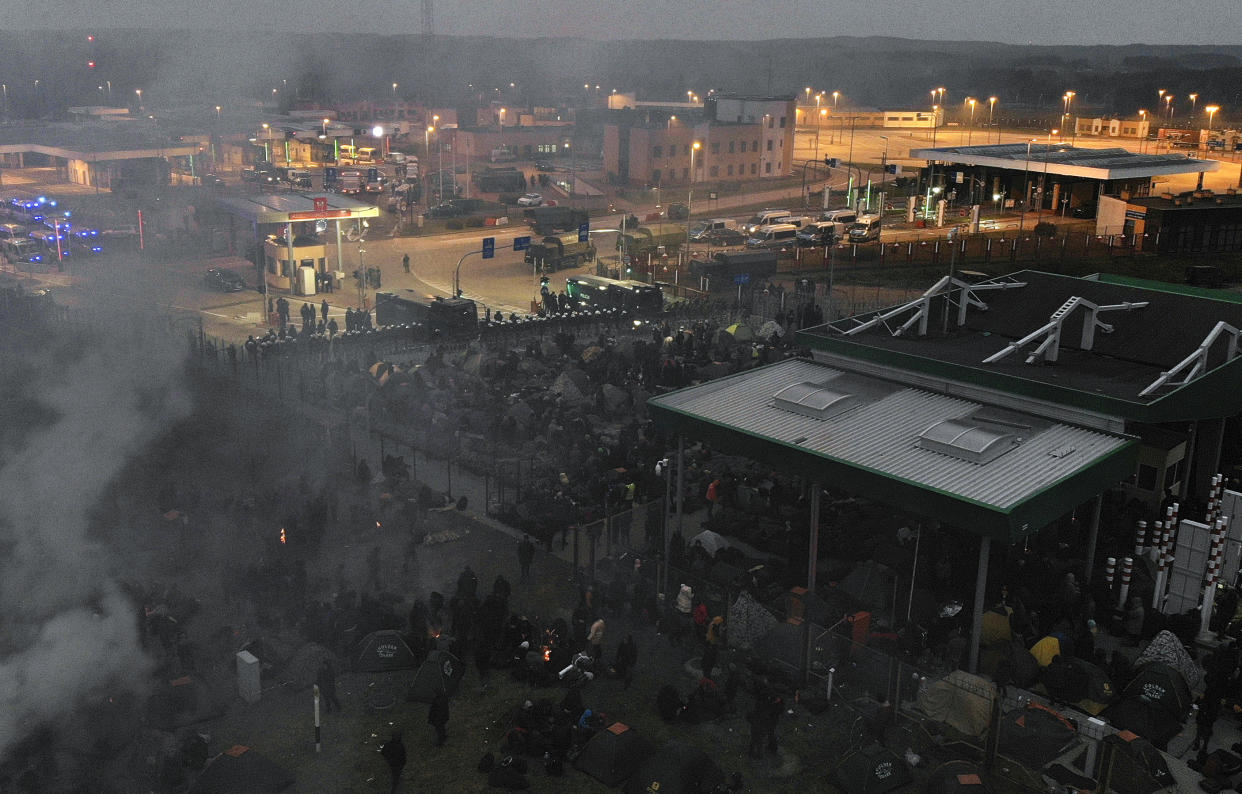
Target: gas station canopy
[(1064, 160), (294, 207)]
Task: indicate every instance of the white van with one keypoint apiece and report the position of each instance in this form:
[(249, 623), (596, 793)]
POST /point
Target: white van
[(865, 229), (765, 218), (777, 235), (396, 158), (843, 219)]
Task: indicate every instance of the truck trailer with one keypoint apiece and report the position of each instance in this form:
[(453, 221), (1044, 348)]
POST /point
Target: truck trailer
[(559, 252)]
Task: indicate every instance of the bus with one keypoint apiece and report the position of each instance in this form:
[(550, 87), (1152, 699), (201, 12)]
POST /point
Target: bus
[(598, 292)]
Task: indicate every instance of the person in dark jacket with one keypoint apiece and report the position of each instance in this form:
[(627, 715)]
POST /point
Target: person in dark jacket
[(394, 754), (438, 716)]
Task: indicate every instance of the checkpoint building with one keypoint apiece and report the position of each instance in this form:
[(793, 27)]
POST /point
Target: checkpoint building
[(998, 407), (286, 234), (1055, 176)]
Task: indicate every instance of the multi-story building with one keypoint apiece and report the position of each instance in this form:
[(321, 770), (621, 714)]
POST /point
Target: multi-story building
[(738, 137)]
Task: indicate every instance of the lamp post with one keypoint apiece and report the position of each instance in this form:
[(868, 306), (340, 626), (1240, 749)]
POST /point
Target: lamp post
[(1168, 104), (694, 148), (573, 170), (1211, 111), (991, 110), (1026, 186), (137, 91), (427, 154), (970, 129), (883, 174), (1192, 98), (836, 105), (267, 141), (1069, 101), (1043, 181), (394, 91), (818, 118)]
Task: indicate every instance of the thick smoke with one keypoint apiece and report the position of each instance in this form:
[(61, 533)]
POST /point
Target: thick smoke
[(67, 632)]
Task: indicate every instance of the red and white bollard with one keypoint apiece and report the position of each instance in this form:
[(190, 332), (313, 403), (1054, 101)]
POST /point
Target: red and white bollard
[(1140, 539), (1127, 570), (1110, 571)]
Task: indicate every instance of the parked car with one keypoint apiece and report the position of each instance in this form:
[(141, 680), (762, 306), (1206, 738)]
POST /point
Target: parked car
[(441, 211), (1083, 211), (211, 180), (530, 200), (723, 237), (218, 278), (544, 165)]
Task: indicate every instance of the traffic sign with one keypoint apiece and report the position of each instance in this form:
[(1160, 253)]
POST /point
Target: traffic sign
[(711, 195), (741, 278), (521, 243), (489, 247), (584, 232)]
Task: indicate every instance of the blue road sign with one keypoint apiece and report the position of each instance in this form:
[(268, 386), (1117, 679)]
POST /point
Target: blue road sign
[(329, 174), (521, 243), (584, 232), (489, 247), (741, 278)]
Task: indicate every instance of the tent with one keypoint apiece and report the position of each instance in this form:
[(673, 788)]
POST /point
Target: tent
[(1138, 767), (712, 541), (675, 769), (957, 777), (1153, 704), (869, 584), (960, 700), (1166, 648), (1035, 735), (1046, 650), (381, 651), (440, 671), (240, 770), (871, 770), (1077, 681), (740, 332), (748, 622), (996, 629), (613, 754)]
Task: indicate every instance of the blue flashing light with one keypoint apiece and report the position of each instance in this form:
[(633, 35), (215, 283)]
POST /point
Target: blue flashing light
[(97, 249), (42, 199), (67, 213)]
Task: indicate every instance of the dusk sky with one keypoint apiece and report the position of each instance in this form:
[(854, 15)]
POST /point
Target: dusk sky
[(1035, 21)]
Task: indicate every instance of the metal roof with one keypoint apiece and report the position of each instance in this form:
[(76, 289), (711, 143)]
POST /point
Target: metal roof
[(873, 449), (277, 207), (97, 141), (1065, 160), (1110, 379)]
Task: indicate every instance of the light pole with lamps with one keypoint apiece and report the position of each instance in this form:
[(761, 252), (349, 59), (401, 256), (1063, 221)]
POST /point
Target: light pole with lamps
[(137, 91), (694, 148), (970, 129), (1069, 101), (1211, 111), (573, 170), (991, 110), (394, 91), (818, 118), (1043, 181), (836, 105), (1026, 186), (267, 141), (1142, 129), (1168, 104), (1192, 98)]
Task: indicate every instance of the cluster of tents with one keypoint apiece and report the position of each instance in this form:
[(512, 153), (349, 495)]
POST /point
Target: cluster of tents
[(620, 755)]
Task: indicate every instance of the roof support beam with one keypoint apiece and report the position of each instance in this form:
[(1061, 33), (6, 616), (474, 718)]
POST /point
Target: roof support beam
[(1051, 331), (921, 306), (1197, 361)]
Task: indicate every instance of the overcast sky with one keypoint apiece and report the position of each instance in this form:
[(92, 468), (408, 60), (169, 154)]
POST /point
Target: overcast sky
[(1036, 21)]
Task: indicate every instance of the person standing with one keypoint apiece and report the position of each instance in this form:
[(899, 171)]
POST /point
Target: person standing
[(438, 716), (323, 309), (595, 638), (526, 555), (394, 754), (405, 262)]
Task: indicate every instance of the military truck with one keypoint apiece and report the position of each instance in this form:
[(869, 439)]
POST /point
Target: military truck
[(560, 252), (650, 239), (550, 220)]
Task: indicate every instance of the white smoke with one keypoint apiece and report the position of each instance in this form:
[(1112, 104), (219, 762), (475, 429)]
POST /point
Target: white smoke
[(67, 633)]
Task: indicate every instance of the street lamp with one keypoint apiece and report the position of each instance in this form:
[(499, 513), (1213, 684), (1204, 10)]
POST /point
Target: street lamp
[(1168, 103), (137, 91), (1043, 181), (217, 112), (694, 148), (1193, 97), (991, 109), (1069, 100), (394, 90), (267, 141), (1211, 111), (573, 169), (818, 121), (971, 128), (502, 117)]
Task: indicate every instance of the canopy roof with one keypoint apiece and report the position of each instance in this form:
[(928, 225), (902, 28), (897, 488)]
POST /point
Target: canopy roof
[(296, 207), (989, 469), (1065, 160)]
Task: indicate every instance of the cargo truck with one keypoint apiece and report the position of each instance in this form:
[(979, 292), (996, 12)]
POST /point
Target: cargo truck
[(445, 315), (559, 252), (549, 220)]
